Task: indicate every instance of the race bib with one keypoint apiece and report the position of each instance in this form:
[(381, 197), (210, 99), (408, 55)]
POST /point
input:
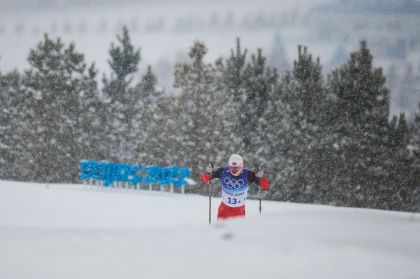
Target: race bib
[(235, 199)]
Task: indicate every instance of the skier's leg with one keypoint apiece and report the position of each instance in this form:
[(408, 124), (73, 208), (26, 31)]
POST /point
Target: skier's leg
[(222, 213), (228, 212)]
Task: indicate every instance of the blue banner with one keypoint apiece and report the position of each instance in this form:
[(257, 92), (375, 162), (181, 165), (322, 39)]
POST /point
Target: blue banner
[(133, 174)]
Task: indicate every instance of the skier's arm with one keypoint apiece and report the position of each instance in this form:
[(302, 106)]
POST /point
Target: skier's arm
[(261, 181), (205, 177)]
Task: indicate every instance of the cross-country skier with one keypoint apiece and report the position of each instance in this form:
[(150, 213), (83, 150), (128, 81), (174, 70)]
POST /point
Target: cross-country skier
[(235, 180)]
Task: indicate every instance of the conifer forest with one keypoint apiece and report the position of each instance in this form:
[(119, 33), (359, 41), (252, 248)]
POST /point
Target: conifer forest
[(320, 138)]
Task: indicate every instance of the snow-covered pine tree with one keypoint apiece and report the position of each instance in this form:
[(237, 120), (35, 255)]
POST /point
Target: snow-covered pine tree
[(415, 147), (57, 81), (197, 116), (260, 82), (242, 90), (275, 127), (303, 94), (232, 78), (228, 98), (173, 132), (150, 123), (399, 166), (162, 133), (92, 120), (17, 111), (362, 111), (124, 102), (124, 60), (415, 139)]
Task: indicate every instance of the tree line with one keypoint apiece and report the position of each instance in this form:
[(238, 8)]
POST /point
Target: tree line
[(324, 140)]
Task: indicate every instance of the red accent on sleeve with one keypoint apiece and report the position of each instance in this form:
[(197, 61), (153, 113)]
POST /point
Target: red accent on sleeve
[(205, 177), (264, 183)]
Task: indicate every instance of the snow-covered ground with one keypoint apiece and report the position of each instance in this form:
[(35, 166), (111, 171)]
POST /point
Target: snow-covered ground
[(77, 231)]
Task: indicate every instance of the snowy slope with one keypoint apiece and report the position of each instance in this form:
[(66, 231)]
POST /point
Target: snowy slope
[(76, 231)]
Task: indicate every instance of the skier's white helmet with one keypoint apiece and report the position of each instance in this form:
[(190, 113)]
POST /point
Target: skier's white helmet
[(236, 164)]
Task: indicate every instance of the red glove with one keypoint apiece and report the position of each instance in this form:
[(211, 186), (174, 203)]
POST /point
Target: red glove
[(264, 183), (263, 180), (205, 177)]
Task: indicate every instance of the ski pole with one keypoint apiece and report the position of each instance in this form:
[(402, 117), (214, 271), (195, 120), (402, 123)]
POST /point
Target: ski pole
[(209, 203), (260, 198)]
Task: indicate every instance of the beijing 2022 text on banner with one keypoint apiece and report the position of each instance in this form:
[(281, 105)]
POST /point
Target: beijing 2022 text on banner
[(133, 174)]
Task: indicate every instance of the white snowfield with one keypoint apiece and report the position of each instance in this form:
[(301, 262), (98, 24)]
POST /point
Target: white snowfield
[(76, 231)]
